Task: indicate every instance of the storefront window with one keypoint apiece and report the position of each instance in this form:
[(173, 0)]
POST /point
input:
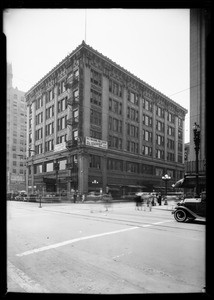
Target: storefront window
[(62, 164), (49, 167)]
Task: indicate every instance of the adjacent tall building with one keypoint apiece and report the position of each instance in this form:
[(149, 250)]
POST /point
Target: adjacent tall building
[(16, 135), (92, 125), (199, 30)]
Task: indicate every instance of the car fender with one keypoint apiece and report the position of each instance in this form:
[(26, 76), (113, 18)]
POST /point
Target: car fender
[(189, 212)]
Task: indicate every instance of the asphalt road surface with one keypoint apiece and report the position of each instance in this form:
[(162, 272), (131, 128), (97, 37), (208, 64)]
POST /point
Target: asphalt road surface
[(81, 248)]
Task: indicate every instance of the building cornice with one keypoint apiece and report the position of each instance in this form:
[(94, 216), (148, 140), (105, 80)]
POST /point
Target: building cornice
[(147, 90)]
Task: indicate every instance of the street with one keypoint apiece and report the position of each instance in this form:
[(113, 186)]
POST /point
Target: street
[(81, 248)]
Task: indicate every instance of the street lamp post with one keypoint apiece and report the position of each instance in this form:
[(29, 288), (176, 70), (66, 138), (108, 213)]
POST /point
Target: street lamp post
[(32, 171), (166, 178), (196, 137)]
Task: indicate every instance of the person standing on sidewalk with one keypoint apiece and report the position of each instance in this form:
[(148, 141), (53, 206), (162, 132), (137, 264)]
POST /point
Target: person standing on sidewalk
[(159, 198), (149, 202)]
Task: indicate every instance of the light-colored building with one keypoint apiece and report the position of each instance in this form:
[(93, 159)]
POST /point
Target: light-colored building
[(16, 136), (92, 125)]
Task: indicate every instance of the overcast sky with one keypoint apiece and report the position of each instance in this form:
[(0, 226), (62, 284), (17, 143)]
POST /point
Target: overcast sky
[(153, 44)]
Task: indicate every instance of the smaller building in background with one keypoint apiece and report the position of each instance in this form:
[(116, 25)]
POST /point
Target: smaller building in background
[(16, 136)]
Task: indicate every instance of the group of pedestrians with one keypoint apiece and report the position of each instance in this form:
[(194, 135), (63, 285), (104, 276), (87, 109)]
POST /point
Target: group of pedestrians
[(144, 201)]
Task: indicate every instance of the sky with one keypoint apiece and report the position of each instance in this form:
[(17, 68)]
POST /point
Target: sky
[(152, 44)]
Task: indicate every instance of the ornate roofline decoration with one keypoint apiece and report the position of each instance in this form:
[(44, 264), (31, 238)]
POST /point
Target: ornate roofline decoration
[(131, 80)]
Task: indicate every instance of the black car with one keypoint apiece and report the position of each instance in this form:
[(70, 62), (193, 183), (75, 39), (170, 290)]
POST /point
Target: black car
[(190, 209)]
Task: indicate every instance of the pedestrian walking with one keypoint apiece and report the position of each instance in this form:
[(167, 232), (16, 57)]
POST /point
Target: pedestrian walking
[(83, 198), (138, 202), (159, 199), (75, 197), (149, 202), (107, 203)]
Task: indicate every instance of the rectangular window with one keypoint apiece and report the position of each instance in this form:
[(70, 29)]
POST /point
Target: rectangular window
[(95, 117), (39, 103), (38, 169), (62, 123), (180, 134), (76, 115), (95, 161), (146, 150), (147, 105), (61, 139), (132, 167), (147, 135), (160, 126), (160, 140), (159, 154), (62, 164), (39, 118), (115, 88), (159, 172), (180, 147), (115, 164), (146, 169), (171, 117), (95, 97), (180, 122), (49, 145), (96, 78), (50, 95), (49, 129), (133, 97), (61, 87), (75, 135), (49, 167), (171, 130), (160, 112), (170, 144), (38, 134), (147, 120), (96, 134), (170, 156), (38, 149)]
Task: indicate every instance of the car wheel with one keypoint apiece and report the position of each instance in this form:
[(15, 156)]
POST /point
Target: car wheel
[(180, 215)]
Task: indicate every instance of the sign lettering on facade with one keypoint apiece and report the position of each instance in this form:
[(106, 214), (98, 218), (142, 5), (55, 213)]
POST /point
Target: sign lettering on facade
[(19, 178), (60, 147), (96, 143)]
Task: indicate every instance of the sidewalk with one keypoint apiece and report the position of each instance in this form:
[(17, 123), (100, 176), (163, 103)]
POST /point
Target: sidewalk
[(170, 206)]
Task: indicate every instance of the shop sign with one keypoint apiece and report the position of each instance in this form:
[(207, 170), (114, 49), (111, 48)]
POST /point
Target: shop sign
[(60, 147), (96, 143), (19, 178)]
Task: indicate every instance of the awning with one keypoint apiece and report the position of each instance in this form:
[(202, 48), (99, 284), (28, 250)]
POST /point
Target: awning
[(190, 182)]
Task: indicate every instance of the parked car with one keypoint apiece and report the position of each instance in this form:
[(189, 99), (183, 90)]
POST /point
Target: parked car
[(21, 197), (32, 198), (190, 209), (96, 196)]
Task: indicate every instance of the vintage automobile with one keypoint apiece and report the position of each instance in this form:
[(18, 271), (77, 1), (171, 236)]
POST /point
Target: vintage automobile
[(190, 209)]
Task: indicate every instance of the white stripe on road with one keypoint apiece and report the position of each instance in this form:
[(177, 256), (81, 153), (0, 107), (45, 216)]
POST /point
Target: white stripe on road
[(24, 281), (73, 241), (53, 246)]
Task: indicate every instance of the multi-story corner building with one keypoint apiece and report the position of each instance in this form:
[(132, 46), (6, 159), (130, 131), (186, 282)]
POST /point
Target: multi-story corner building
[(16, 135), (93, 125)]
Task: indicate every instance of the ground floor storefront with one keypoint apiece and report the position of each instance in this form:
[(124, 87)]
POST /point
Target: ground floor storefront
[(89, 169)]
